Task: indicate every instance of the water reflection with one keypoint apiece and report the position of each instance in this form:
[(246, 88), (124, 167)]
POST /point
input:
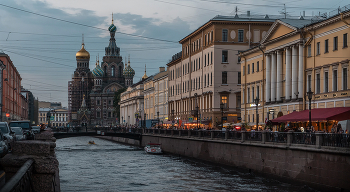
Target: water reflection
[(109, 166)]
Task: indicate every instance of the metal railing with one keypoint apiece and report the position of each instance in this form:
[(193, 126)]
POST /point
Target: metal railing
[(22, 180), (287, 138)]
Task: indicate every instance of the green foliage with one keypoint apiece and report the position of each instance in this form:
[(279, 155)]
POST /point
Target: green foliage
[(116, 101)]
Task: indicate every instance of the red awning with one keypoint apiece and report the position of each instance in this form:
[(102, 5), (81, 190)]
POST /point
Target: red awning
[(320, 114)]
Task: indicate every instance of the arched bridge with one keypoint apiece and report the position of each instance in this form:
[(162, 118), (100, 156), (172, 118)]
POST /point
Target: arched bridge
[(121, 132)]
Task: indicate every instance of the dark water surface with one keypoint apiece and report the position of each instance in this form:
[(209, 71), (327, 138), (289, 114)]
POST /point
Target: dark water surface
[(109, 166)]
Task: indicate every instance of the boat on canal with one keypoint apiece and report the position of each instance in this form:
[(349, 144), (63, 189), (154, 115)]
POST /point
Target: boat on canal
[(92, 142), (153, 148)]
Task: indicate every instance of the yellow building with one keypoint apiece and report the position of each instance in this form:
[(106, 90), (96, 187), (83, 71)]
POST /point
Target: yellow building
[(297, 55)]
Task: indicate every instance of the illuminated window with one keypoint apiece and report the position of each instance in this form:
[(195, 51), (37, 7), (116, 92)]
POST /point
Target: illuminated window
[(224, 100)]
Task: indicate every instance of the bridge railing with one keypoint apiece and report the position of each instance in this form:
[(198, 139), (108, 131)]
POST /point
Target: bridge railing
[(22, 180), (317, 139)]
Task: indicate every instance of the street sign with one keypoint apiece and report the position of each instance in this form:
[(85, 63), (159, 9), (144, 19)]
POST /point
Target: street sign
[(52, 118), (190, 119), (266, 120), (224, 118), (173, 121)]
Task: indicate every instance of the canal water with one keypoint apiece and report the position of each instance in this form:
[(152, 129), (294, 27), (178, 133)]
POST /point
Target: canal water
[(109, 166)]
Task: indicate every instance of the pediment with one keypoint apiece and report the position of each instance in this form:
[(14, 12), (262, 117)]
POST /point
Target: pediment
[(278, 29)]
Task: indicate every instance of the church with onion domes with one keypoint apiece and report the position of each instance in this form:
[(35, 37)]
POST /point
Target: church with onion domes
[(93, 91)]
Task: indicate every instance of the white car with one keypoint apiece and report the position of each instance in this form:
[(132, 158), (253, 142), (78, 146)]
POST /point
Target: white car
[(3, 145), (19, 133), (7, 132)]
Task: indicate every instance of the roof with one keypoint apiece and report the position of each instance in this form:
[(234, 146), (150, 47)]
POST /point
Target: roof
[(297, 23)]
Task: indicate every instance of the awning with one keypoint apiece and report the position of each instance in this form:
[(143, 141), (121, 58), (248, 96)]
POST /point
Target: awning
[(319, 114)]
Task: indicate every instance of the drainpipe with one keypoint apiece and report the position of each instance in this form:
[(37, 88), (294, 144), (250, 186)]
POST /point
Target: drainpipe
[(263, 83), (245, 86), (305, 61)]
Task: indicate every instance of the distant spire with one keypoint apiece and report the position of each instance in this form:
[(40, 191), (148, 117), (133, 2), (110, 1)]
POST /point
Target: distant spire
[(145, 75), (82, 39), (112, 18), (129, 60)]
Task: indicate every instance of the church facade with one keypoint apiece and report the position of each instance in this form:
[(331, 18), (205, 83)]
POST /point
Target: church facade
[(94, 90)]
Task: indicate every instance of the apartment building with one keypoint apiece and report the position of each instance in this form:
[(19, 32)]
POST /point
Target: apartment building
[(205, 80)]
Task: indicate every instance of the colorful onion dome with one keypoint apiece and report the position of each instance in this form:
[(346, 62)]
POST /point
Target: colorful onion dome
[(82, 54), (112, 28), (128, 71), (98, 72)]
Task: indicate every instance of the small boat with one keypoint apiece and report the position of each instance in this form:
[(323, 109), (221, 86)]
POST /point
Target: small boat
[(92, 142), (153, 148)]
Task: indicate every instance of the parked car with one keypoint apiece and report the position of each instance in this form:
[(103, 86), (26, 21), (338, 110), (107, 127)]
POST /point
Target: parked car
[(8, 133), (36, 129), (25, 125), (19, 133), (3, 145)]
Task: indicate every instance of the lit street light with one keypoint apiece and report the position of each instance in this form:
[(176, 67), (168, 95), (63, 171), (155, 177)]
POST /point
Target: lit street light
[(309, 95)]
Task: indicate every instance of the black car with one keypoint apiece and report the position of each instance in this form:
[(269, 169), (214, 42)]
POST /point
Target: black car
[(26, 127)]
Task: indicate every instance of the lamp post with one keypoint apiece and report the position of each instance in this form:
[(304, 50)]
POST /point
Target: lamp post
[(309, 95), (257, 115), (172, 113), (222, 114), (197, 108), (158, 118), (144, 120)]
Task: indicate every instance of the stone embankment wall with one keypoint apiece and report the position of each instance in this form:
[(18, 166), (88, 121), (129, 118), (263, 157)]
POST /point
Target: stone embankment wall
[(45, 175), (121, 140), (320, 168)]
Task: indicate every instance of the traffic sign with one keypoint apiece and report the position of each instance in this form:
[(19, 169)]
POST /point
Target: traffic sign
[(52, 118)]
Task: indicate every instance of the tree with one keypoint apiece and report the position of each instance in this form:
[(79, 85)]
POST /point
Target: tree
[(116, 101)]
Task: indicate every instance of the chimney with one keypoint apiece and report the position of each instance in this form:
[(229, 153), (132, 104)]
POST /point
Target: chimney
[(161, 69), (248, 13)]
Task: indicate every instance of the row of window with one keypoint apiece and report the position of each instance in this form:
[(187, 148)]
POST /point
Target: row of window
[(55, 114), (196, 45), (194, 85), (251, 97), (326, 81), (195, 65), (109, 114), (240, 35), (253, 68), (44, 119), (98, 102), (326, 45)]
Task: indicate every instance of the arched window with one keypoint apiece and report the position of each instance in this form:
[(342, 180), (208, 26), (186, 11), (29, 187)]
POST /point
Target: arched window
[(105, 70), (113, 71), (120, 71)]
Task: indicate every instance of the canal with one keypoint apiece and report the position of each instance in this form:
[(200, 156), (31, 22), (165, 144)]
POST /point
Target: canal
[(109, 166)]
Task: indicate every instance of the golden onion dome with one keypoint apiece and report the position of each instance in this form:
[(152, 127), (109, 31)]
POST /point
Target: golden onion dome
[(82, 54)]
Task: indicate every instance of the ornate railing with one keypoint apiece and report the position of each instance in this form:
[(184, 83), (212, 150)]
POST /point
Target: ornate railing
[(22, 180)]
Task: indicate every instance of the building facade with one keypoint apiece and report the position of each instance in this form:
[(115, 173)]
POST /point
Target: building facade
[(11, 88), (60, 117), (207, 71), (297, 56)]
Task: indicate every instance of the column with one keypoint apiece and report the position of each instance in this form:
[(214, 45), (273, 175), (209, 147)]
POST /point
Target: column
[(279, 75), (268, 79), (301, 71), (288, 73), (273, 76), (294, 72)]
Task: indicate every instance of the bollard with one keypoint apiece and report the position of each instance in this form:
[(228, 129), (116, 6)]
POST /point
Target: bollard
[(319, 139), (263, 137), (211, 134), (243, 136), (226, 135), (290, 137), (189, 133)]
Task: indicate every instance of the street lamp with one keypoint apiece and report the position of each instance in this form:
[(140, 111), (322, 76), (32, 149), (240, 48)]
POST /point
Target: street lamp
[(222, 114), (257, 115), (144, 120), (309, 95), (197, 109), (172, 112)]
